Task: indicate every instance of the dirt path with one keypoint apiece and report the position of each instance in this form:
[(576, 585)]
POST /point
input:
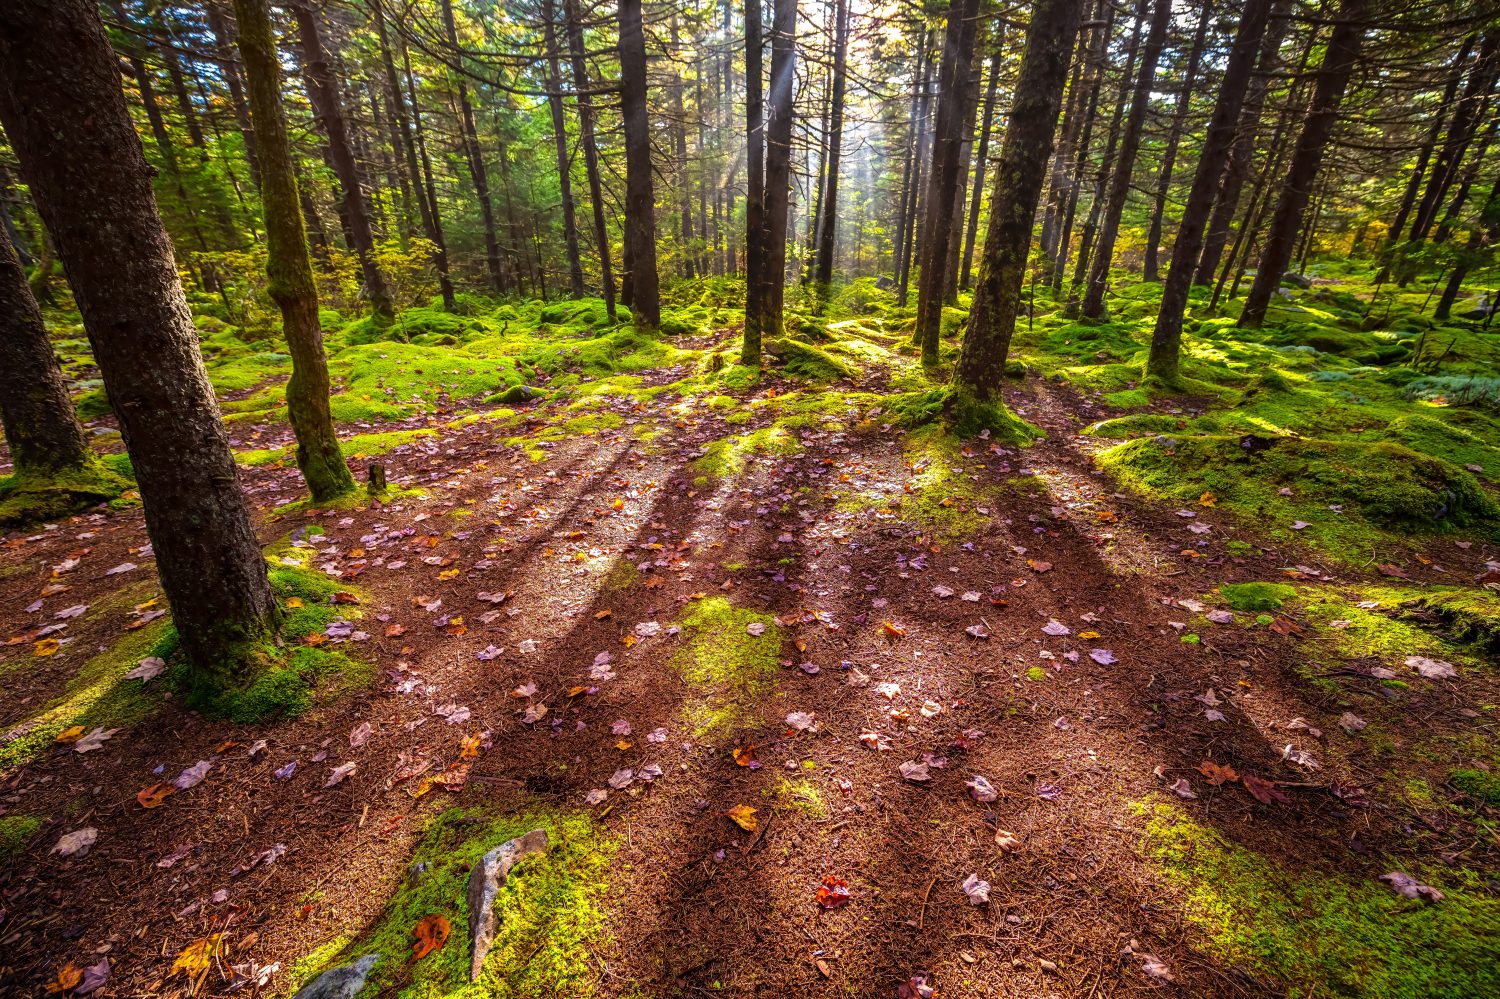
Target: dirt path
[(1029, 633)]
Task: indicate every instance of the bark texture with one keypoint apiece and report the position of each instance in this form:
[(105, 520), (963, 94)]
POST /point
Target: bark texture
[(288, 263), (65, 115), (1018, 187), (640, 196)]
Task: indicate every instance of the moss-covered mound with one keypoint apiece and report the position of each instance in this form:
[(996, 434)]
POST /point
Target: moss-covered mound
[(30, 499), (1283, 480)]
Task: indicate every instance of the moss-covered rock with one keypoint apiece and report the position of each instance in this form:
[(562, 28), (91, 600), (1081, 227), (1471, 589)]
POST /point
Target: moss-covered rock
[(803, 360)]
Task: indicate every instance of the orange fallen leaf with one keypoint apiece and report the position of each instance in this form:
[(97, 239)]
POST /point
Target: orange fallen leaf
[(314, 638), (431, 933), (196, 956), (68, 977), (395, 630), (744, 755), (1216, 773), (1208, 499), (468, 747), (153, 796), (45, 647), (344, 597), (892, 628), (744, 817)]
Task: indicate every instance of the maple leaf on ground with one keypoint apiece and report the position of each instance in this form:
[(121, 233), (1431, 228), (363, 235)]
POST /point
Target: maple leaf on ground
[(744, 756), (833, 892), (195, 958), (744, 817), (1216, 773), (68, 977), (431, 932), (1264, 791), (153, 796)]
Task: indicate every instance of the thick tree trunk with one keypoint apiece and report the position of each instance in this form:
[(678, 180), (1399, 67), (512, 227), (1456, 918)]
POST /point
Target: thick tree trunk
[(914, 213), (755, 196), (40, 426), (1338, 64), (780, 112), (640, 197), (590, 151), (828, 223), (288, 265), (684, 176), (981, 162), (1166, 339), (560, 139), (322, 93), (1018, 187), (1119, 184), (65, 115), (943, 187), (1151, 267)]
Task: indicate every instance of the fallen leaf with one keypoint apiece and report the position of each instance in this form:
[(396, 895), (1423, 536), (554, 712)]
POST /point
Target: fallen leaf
[(833, 892), (915, 771), (154, 795), (76, 843), (195, 958), (1007, 841), (193, 775), (94, 740), (893, 629), (977, 890), (68, 977), (1264, 791), (94, 977), (431, 933), (1404, 884), (744, 817), (338, 773), (1217, 773), (980, 789)]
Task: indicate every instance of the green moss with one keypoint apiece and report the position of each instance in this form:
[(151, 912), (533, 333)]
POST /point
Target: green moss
[(551, 915), (1480, 785), (355, 447), (726, 457), (1325, 934), (15, 832), (29, 499), (1380, 487), (800, 795), (803, 360), (1036, 674), (289, 679), (1257, 596), (97, 695), (1471, 615), (1135, 425), (728, 668)]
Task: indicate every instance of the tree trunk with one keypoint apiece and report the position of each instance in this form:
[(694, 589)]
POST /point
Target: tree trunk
[(1237, 170), (909, 164), (779, 158), (40, 426), (432, 223), (981, 160), (590, 151), (322, 93), (1019, 175), (1486, 232), (1166, 339), (1068, 206), (684, 176), (914, 213), (65, 115), (755, 196), (560, 138), (1339, 59), (475, 160), (222, 55), (1150, 267), (288, 265), (1101, 177), (828, 223), (1460, 133), (1424, 154), (1119, 184), (943, 186), (640, 197)]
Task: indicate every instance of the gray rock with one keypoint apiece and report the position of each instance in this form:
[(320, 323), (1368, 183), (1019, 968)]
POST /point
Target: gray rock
[(485, 882), (417, 873), (343, 982)]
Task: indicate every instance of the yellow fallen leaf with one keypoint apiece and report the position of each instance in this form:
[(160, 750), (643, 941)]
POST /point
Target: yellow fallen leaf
[(294, 602), (196, 956), (45, 647), (71, 734), (1208, 498), (744, 817)]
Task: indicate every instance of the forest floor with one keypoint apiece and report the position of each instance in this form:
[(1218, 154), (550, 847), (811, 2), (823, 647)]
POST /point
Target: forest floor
[(1181, 713)]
